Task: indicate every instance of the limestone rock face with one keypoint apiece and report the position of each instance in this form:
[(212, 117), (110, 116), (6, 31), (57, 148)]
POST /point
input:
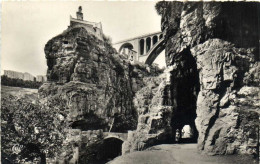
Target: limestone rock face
[(154, 121), (219, 108), (191, 23), (95, 84), (216, 36), (212, 79)]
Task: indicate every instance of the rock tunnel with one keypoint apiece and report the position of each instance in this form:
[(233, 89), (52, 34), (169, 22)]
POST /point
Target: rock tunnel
[(183, 92)]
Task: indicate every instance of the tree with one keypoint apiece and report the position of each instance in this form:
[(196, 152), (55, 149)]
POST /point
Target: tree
[(31, 131), (19, 82)]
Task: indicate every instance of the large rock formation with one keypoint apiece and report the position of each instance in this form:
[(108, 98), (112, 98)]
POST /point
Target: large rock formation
[(94, 83), (154, 116), (212, 52), (226, 126)]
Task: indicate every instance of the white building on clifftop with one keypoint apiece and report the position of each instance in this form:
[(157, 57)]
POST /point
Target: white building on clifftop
[(92, 27)]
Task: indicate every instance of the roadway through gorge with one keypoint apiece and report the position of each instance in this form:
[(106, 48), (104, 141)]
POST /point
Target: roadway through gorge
[(178, 154)]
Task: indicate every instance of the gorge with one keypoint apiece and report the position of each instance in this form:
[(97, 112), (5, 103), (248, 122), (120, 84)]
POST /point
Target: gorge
[(106, 106)]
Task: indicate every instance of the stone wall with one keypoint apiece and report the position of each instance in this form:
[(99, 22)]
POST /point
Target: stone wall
[(92, 27)]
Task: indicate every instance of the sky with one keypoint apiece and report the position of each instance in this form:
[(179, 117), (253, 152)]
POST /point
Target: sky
[(27, 26)]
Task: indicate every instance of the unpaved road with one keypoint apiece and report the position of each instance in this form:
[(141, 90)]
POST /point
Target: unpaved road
[(178, 154)]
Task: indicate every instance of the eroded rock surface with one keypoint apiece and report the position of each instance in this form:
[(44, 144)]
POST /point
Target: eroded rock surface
[(93, 84), (219, 108), (87, 76), (213, 78), (154, 121), (224, 65)]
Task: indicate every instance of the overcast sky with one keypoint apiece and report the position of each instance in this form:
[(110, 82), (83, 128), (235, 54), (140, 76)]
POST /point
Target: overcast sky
[(27, 26)]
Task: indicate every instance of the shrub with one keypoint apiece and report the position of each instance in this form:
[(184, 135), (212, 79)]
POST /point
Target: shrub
[(31, 131)]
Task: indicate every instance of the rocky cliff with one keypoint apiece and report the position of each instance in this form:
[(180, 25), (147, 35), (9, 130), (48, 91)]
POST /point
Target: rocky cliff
[(94, 83), (211, 84), (212, 53)]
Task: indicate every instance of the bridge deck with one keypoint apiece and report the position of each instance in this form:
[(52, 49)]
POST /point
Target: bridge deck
[(137, 37)]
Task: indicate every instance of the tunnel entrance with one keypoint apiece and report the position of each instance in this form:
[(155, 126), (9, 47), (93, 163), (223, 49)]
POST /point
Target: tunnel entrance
[(184, 89), (101, 151), (110, 149)]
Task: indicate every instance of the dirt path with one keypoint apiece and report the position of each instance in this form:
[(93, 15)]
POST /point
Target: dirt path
[(178, 154)]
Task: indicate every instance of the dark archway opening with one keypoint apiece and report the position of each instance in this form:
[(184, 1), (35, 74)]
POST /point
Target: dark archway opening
[(148, 44), (111, 148), (155, 39), (102, 152), (141, 42), (32, 152), (184, 90)]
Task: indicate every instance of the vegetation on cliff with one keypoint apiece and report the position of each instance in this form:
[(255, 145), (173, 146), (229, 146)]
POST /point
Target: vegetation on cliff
[(30, 132)]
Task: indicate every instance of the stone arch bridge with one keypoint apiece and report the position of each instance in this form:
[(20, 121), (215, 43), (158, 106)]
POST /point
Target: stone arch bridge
[(112, 143), (86, 136), (142, 49), (121, 136)]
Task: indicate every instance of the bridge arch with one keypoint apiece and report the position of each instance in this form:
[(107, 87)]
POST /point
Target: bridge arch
[(116, 137), (125, 46), (155, 39), (113, 138), (155, 51), (121, 136), (148, 44), (141, 45), (111, 148)]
